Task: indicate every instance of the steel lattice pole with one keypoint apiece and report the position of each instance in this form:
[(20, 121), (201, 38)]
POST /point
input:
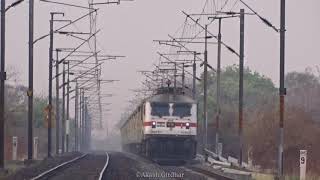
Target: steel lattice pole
[(2, 84), (30, 89), (282, 88)]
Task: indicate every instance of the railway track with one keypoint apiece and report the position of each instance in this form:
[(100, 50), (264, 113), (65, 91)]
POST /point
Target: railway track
[(76, 168), (123, 166), (209, 174), (190, 171), (104, 168)]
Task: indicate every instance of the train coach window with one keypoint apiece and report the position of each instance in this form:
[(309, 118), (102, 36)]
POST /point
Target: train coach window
[(160, 109), (182, 110)]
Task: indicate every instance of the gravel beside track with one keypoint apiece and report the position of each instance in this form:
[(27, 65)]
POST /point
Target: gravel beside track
[(87, 168), (125, 166), (40, 166)]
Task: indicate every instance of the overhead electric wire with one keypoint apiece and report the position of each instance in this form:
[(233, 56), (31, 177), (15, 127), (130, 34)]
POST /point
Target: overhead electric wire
[(224, 5), (264, 20), (55, 31), (216, 37), (78, 47), (234, 5), (65, 4)]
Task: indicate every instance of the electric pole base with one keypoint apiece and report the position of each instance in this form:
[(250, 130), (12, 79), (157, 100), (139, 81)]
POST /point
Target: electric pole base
[(3, 172), (29, 162)]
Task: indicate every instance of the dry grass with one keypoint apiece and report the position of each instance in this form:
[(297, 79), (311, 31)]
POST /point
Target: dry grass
[(11, 168), (309, 177), (258, 176)]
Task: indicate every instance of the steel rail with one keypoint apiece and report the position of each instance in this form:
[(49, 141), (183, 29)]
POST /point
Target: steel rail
[(42, 175), (104, 168)]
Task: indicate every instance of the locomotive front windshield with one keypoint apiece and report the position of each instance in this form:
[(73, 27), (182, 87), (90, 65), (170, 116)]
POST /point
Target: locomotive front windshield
[(160, 109), (182, 110), (175, 109)]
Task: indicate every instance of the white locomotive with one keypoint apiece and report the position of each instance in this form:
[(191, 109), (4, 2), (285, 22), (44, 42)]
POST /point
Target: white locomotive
[(163, 126)]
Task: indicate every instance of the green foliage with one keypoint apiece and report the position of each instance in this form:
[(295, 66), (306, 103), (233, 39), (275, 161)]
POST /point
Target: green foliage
[(303, 87), (258, 89), (17, 107), (301, 79), (261, 117), (39, 104)]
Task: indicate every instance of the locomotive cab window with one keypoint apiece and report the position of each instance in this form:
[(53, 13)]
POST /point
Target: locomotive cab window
[(182, 110), (160, 109)]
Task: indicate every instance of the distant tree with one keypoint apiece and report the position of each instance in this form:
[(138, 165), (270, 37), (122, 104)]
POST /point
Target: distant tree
[(258, 90), (15, 105), (303, 88), (40, 103), (301, 132)]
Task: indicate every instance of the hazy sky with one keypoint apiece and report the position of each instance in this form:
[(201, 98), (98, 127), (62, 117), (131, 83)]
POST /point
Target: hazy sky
[(130, 28)]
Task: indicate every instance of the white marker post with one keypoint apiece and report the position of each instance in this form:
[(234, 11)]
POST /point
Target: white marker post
[(14, 148), (67, 134), (220, 149), (67, 127), (303, 164), (35, 147)]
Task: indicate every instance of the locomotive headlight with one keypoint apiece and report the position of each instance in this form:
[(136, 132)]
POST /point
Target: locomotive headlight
[(153, 124), (187, 125)]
